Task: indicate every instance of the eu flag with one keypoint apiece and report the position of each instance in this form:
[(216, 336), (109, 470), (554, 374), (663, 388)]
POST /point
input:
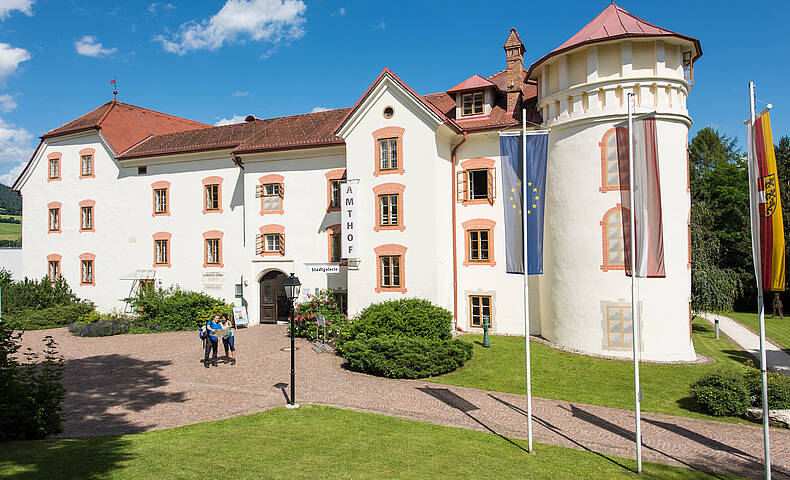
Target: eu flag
[(510, 147)]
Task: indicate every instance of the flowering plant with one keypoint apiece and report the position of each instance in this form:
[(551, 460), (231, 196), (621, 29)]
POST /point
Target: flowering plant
[(306, 313)]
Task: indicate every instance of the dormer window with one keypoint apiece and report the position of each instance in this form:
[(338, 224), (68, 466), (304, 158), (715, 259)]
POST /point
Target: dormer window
[(472, 104)]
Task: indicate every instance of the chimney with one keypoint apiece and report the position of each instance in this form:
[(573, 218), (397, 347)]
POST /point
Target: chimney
[(514, 55)]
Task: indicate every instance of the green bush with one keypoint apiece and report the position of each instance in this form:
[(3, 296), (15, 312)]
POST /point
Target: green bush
[(50, 317), (722, 393), (94, 324), (31, 393), (208, 313), (778, 389), (38, 304), (411, 317), (396, 356), (172, 309), (306, 315)]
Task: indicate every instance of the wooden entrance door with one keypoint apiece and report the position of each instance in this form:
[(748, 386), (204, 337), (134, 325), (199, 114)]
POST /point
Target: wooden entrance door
[(272, 293)]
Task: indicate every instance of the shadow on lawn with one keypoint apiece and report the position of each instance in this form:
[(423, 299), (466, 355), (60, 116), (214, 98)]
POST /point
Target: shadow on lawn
[(97, 386)]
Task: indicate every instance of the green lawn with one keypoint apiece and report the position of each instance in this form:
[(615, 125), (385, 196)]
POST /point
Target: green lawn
[(10, 231), (314, 442), (578, 378), (776, 329)]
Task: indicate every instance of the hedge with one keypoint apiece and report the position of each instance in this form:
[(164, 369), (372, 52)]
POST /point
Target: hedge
[(411, 317)]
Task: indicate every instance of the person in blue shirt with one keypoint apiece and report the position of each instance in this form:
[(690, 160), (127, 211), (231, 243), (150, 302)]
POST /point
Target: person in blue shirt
[(212, 342), (228, 341)]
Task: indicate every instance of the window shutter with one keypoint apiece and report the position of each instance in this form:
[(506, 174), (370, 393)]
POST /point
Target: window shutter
[(462, 180), (282, 190), (258, 191), (282, 244), (491, 185), (259, 244)]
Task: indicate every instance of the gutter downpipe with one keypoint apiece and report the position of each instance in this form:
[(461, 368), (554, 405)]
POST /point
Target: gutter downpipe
[(453, 182)]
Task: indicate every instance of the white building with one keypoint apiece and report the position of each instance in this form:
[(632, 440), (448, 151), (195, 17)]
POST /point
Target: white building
[(127, 193)]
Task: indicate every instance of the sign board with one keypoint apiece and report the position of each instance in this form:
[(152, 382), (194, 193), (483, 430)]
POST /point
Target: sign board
[(348, 219), (240, 316), (213, 279), (322, 267)]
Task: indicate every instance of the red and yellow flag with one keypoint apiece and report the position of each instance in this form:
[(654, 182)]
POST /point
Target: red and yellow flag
[(772, 236)]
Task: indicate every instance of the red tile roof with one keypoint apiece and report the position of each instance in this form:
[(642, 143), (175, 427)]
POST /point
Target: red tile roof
[(613, 23), (297, 131), (472, 83), (124, 125)]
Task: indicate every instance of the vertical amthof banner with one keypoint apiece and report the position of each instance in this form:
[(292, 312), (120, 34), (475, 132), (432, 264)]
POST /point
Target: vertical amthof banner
[(348, 219)]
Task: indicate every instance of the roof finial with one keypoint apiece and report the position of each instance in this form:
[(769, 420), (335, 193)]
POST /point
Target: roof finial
[(114, 88)]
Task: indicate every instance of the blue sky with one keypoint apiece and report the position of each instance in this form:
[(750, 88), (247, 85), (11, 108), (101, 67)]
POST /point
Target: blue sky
[(213, 60)]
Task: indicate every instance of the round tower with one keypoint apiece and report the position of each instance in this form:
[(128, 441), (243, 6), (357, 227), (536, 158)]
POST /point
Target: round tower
[(583, 86)]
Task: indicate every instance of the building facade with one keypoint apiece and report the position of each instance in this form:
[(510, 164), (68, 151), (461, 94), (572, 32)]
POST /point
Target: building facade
[(125, 198)]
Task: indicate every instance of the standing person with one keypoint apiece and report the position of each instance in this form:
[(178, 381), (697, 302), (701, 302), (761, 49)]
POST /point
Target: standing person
[(229, 341), (212, 340)]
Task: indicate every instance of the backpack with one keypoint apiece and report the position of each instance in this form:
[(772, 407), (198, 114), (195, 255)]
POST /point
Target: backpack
[(202, 333)]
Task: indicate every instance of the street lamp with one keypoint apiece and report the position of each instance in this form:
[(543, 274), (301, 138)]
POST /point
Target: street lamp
[(292, 286)]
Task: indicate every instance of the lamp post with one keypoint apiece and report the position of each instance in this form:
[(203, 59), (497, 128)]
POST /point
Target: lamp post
[(292, 286)]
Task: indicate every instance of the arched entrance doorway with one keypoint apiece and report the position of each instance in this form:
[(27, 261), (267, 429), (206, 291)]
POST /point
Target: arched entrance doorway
[(274, 304)]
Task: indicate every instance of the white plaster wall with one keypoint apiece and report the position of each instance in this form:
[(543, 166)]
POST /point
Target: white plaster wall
[(427, 234), (304, 217), (11, 260), (124, 225)]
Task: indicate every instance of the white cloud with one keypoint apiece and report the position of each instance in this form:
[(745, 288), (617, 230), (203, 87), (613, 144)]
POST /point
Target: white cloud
[(319, 109), (238, 93), (10, 58), (7, 6), (230, 121), (237, 21), (9, 178), (16, 146), (7, 103), (380, 26), (340, 12), (89, 47), (160, 6)]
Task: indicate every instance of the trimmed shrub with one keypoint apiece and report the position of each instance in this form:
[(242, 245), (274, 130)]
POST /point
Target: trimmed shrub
[(396, 356), (411, 317), (306, 315), (31, 393), (51, 317), (172, 309), (722, 393), (205, 315), (778, 389)]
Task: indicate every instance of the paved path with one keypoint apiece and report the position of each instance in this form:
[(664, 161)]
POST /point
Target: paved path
[(125, 384), (749, 341)]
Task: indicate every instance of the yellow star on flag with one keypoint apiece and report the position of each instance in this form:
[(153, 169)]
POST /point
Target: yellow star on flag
[(535, 189), (529, 211), (529, 184), (534, 206)]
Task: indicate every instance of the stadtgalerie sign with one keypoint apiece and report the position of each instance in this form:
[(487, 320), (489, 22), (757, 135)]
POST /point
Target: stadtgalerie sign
[(348, 221), (322, 267)]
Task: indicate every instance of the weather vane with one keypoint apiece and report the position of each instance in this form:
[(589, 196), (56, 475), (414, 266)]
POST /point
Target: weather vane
[(114, 88)]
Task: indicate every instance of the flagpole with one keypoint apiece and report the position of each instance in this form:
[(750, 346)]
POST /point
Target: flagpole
[(524, 178), (758, 271), (634, 310)]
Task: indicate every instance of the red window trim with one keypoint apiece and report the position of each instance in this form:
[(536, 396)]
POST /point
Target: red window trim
[(605, 187), (163, 184), (479, 224), (163, 236), (54, 257), (212, 234), (92, 204), (386, 250), (91, 152), (380, 134), (605, 266), (52, 206), (213, 180), (273, 178), (332, 230), (336, 174), (55, 156), (92, 258), (479, 163), (391, 188), (268, 230)]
